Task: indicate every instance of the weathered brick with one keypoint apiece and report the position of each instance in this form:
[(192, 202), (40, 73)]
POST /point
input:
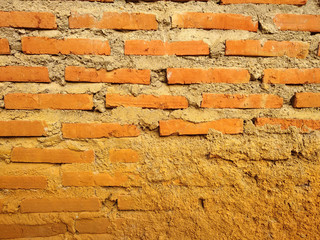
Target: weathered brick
[(241, 101), (292, 76), (44, 45), (146, 101), (129, 203), (114, 20), (30, 231), (23, 182), (89, 179), (60, 205), (297, 22), (17, 128), (98, 225), (214, 21), (267, 49), (81, 74), (306, 100), (290, 2), (45, 101), (4, 46), (24, 74), (193, 75), (38, 155), (1, 205), (304, 124), (123, 155), (98, 130), (181, 127), (158, 48), (40, 20), (108, 1)]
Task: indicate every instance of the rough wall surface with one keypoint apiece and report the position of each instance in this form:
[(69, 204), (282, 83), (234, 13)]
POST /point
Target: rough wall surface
[(159, 119)]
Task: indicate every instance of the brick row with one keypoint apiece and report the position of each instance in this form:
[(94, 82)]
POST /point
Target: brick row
[(23, 182), (113, 20), (48, 101), (31, 231), (60, 205), (89, 179), (17, 128), (38, 155), (147, 101), (39, 20)]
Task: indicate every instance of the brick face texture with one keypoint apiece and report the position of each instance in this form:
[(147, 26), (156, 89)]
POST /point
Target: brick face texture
[(159, 119)]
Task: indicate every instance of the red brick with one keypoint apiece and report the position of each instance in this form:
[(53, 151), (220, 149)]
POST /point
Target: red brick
[(304, 124), (214, 21), (98, 130), (81, 74), (146, 101), (181, 127), (38, 155), (290, 2), (98, 225), (24, 74), (40, 20), (267, 49), (44, 45), (292, 76), (89, 179), (306, 100), (4, 46), (23, 182), (18, 128), (217, 75), (124, 155), (30, 231), (241, 101), (114, 20), (60, 205), (159, 48), (297, 22), (45, 101)]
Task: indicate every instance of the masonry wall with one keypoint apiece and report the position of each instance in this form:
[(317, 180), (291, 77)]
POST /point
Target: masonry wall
[(159, 119)]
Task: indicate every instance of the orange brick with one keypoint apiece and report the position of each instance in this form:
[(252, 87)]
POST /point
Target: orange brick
[(129, 203), (98, 130), (306, 100), (159, 48), (24, 74), (214, 21), (60, 205), (292, 76), (23, 182), (241, 101), (181, 127), (18, 128), (30, 231), (98, 225), (189, 75), (38, 155), (4, 46), (267, 49), (114, 20), (44, 45), (45, 101), (81, 74), (304, 124), (124, 155), (1, 205), (319, 51), (297, 22), (40, 20), (109, 1), (146, 101), (89, 179), (290, 2)]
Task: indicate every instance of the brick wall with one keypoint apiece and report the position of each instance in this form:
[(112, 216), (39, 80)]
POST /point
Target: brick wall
[(159, 119)]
